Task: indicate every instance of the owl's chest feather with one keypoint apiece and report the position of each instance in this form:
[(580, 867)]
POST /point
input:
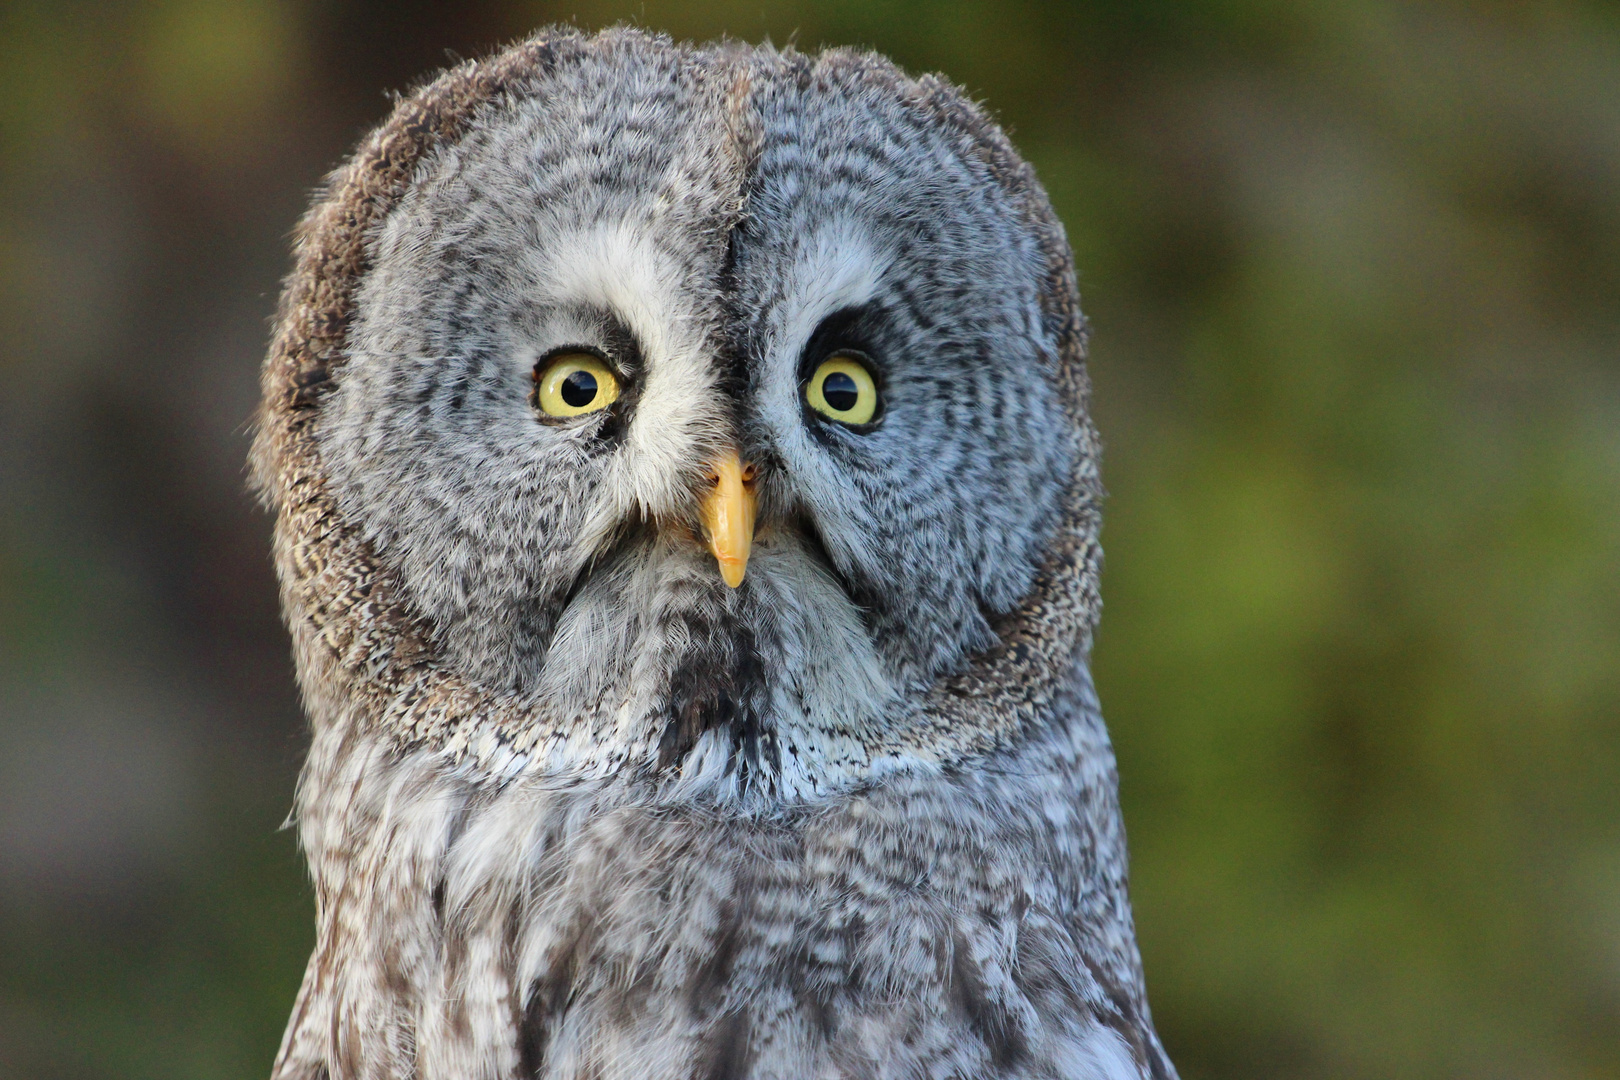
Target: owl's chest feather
[(559, 932)]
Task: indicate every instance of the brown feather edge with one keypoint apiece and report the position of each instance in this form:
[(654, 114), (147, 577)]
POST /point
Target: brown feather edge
[(351, 631)]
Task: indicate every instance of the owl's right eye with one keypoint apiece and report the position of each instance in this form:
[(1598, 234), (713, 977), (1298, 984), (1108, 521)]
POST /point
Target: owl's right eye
[(573, 384)]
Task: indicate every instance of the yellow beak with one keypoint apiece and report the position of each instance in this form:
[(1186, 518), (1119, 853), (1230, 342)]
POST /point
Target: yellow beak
[(728, 516)]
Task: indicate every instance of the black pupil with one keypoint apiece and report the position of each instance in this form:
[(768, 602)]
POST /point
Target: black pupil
[(579, 389), (840, 391)]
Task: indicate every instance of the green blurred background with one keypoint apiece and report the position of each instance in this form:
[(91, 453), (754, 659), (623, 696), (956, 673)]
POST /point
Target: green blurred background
[(1352, 270)]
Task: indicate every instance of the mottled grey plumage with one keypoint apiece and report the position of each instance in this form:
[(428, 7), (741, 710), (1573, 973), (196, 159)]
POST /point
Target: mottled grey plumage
[(574, 808)]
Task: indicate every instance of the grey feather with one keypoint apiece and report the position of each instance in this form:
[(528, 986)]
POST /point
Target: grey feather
[(573, 807)]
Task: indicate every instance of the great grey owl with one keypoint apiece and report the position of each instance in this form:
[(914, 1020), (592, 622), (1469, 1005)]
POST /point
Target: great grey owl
[(686, 519)]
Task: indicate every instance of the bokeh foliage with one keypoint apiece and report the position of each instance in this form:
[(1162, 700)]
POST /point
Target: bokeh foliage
[(1352, 269)]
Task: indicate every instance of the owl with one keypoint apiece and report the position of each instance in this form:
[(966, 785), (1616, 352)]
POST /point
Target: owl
[(686, 516)]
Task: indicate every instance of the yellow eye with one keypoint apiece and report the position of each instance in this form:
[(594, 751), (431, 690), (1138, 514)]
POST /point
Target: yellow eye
[(573, 384), (843, 389)]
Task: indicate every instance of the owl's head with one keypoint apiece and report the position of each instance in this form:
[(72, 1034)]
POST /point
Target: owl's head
[(711, 416)]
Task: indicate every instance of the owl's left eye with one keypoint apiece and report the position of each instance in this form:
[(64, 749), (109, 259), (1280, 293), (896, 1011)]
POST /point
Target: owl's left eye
[(842, 388), (573, 384)]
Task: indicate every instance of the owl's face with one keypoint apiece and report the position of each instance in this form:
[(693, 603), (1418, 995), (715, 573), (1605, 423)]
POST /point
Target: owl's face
[(665, 292)]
